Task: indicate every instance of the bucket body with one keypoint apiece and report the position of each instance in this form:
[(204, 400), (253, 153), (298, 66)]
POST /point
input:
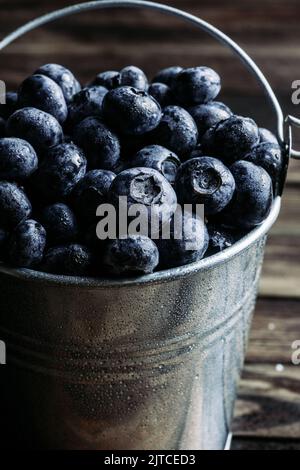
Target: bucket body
[(151, 365)]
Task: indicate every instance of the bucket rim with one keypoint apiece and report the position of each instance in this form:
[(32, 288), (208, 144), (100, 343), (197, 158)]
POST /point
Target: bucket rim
[(166, 275)]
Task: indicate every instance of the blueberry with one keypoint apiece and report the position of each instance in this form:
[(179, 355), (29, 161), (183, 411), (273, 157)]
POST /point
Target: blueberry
[(60, 224), (18, 159), (59, 172), (63, 77), (41, 92), (71, 259), (134, 77), (176, 131), (38, 128), (161, 92), (101, 145), (188, 242), (2, 127), (145, 186), (208, 115), (14, 205), (252, 200), (231, 139), (133, 255), (4, 235), (10, 105), (90, 192), (267, 136), (196, 85), (87, 102), (207, 181), (159, 158), (269, 157), (219, 239), (167, 75), (27, 244), (108, 79), (131, 111)]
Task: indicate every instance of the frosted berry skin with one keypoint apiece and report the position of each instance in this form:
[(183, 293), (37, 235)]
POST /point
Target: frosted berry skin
[(189, 245), (159, 158), (38, 128), (167, 75), (131, 111), (269, 157), (219, 239), (10, 106), (267, 136), (133, 76), (90, 192), (161, 92), (109, 79), (136, 254), (196, 85), (63, 77), (205, 180), (71, 259), (14, 205), (18, 159), (100, 144), (208, 115), (231, 140), (252, 199), (87, 102), (60, 224), (41, 92), (27, 244), (59, 172), (176, 131)]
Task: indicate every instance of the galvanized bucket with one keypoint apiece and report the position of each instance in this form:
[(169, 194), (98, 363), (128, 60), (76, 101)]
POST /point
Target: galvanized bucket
[(145, 363)]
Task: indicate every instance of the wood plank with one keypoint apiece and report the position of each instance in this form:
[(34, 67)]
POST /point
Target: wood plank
[(254, 443), (269, 402)]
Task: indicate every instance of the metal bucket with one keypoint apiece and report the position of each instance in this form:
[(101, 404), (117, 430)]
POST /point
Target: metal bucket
[(145, 363)]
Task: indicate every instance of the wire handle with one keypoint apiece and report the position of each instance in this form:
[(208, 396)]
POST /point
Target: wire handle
[(292, 121)]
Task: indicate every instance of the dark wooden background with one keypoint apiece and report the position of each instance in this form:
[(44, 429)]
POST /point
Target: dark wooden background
[(268, 410)]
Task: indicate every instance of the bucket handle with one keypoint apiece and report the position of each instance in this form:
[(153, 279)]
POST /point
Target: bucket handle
[(282, 125)]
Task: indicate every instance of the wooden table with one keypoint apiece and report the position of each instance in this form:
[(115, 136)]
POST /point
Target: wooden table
[(267, 414)]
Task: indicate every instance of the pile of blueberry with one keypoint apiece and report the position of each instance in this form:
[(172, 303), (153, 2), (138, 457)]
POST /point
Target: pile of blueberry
[(64, 150)]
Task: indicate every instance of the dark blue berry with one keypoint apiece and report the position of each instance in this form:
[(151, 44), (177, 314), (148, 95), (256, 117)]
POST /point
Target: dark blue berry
[(133, 76), (131, 111), (60, 224), (59, 172), (269, 157), (159, 158), (109, 79), (18, 159), (219, 239), (176, 131), (252, 200), (63, 77), (231, 139), (145, 186), (27, 244), (14, 205), (267, 136), (207, 181), (10, 106), (133, 255), (2, 127), (208, 115), (90, 192), (4, 235), (72, 259), (167, 75), (41, 92), (101, 145), (196, 85), (161, 92), (87, 102), (187, 243), (38, 128)]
